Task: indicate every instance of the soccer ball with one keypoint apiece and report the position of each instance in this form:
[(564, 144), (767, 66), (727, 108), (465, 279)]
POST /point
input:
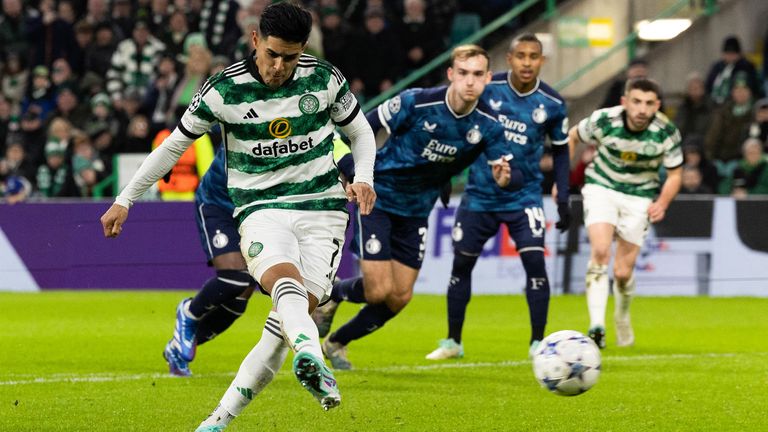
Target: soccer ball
[(567, 363)]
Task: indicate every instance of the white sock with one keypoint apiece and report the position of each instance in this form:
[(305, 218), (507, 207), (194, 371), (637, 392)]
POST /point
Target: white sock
[(622, 297), (256, 371), (597, 293), (292, 305)]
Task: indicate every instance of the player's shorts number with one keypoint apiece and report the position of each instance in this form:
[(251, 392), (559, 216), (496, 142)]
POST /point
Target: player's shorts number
[(536, 220), (423, 243)]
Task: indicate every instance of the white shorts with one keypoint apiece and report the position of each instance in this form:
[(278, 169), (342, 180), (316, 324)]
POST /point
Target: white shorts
[(310, 240), (628, 213)]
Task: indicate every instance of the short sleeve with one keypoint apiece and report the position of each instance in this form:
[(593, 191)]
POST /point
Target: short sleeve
[(345, 106), (199, 116), (558, 126), (395, 113), (588, 129), (673, 154)]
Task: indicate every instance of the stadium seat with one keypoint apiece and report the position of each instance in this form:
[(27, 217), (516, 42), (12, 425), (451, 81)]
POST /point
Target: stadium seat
[(464, 25)]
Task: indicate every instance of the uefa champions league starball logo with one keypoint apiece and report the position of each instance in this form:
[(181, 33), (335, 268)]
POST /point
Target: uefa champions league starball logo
[(195, 104)]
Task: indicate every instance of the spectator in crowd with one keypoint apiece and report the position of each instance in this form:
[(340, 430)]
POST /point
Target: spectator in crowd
[(158, 98), (69, 108), (14, 189), (694, 114), (54, 175), (102, 139), (157, 13), (66, 11), (693, 157), (87, 166), (15, 163), (750, 176), (5, 122), (692, 182), (132, 106), (420, 42), (14, 27), (14, 79), (378, 56), (336, 38), (122, 16), (729, 121), (133, 64), (98, 56), (137, 138), (40, 93), (638, 68), (84, 38), (97, 14), (33, 133), (175, 35), (723, 73), (198, 63), (218, 24), (759, 126), (50, 37), (62, 75)]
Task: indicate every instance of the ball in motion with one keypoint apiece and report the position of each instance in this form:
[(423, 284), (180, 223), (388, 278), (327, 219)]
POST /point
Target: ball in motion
[(567, 363)]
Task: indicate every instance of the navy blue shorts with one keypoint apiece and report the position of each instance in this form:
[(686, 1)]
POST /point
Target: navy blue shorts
[(382, 236), (472, 229), (218, 231)]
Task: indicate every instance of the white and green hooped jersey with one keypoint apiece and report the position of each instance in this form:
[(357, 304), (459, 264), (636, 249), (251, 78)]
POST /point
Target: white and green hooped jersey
[(628, 161), (279, 141)]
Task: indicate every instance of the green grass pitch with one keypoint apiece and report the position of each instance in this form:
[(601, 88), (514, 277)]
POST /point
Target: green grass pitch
[(91, 361)]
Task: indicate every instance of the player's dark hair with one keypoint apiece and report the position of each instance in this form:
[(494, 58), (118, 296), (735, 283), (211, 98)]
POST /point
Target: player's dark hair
[(525, 37), (287, 21), (643, 84)]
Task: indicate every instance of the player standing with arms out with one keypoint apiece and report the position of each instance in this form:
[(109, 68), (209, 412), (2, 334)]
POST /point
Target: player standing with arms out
[(278, 110), (223, 298), (633, 141), (433, 134), (529, 110)]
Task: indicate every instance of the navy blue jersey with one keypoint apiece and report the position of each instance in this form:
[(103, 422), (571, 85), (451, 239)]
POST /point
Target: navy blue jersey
[(527, 118), (428, 144), (213, 187)]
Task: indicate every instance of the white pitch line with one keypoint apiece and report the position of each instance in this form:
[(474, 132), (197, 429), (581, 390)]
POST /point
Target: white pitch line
[(78, 378)]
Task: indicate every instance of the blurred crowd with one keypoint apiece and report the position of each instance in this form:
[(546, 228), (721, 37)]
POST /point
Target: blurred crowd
[(83, 80)]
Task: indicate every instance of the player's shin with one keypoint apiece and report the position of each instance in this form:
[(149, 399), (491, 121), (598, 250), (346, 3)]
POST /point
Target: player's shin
[(256, 371), (536, 290), (227, 285), (597, 293), (220, 319), (292, 304), (459, 293), (350, 290), (622, 293)]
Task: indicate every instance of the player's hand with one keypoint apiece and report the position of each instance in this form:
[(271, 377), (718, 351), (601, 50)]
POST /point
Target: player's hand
[(656, 212), (364, 195), (564, 212), (112, 221), (502, 172)]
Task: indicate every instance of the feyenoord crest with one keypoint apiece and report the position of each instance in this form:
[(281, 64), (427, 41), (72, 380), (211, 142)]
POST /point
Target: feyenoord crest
[(255, 249), (220, 240), (308, 104), (394, 105), (539, 115), (474, 135), (373, 245)]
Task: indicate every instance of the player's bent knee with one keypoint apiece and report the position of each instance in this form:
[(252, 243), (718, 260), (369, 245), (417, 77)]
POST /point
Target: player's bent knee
[(534, 263), (236, 281)]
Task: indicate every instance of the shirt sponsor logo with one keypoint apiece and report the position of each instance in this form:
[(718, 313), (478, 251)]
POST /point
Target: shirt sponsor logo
[(515, 130), (435, 151), (278, 148), (280, 128)]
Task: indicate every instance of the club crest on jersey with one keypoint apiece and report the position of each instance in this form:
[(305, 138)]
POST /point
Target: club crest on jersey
[(429, 127), (474, 135), (495, 105), (373, 245), (195, 104), (255, 249), (539, 115), (220, 240), (394, 105), (280, 127), (308, 104)]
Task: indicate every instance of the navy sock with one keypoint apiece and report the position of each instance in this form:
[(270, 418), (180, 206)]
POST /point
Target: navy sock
[(368, 320), (218, 320), (226, 286), (350, 290), (536, 291), (459, 293)]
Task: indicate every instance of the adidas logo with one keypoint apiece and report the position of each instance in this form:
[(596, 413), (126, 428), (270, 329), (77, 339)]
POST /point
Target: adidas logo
[(251, 114), (301, 338)]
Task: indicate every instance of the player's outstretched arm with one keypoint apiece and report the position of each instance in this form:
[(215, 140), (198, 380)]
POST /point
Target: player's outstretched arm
[(112, 221), (658, 209)]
